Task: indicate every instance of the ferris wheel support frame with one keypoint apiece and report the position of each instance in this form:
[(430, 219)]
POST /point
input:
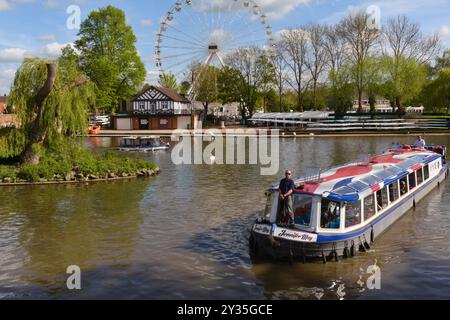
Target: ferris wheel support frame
[(213, 52)]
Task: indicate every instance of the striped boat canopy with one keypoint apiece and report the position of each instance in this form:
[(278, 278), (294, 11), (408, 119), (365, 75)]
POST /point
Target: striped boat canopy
[(354, 181)]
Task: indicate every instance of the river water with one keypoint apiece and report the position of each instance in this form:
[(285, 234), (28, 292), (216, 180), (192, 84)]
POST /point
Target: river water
[(184, 235)]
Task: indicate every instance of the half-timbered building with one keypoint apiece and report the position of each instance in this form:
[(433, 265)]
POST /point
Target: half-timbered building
[(156, 108)]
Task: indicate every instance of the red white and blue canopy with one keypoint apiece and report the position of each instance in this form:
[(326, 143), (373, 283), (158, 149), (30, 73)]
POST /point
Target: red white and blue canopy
[(352, 182)]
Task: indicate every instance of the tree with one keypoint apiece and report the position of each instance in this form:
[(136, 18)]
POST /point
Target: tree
[(404, 45), (408, 82), (242, 78), (316, 56), (436, 94), (267, 75), (294, 45), (206, 87), (342, 90), (360, 37), (109, 57), (51, 100), (168, 80), (279, 68)]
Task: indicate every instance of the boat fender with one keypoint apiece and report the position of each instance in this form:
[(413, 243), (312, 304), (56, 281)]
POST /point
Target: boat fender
[(366, 245), (335, 255), (352, 249), (361, 246), (371, 235), (303, 253), (323, 257), (414, 203), (345, 254), (291, 256)]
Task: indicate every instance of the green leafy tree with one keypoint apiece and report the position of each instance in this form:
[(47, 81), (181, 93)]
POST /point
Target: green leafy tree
[(206, 87), (109, 57), (406, 78), (51, 100), (436, 94), (342, 90), (168, 80)]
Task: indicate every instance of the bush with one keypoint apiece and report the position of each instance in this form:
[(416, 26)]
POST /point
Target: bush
[(29, 172), (7, 172)]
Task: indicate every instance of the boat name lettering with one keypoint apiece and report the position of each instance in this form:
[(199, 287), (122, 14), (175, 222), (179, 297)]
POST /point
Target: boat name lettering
[(263, 229), (295, 235)]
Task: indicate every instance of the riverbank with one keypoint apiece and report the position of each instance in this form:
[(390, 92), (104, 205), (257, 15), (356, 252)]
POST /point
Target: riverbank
[(74, 166)]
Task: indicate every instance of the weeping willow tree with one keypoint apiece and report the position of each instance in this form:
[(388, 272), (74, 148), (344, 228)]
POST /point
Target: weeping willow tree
[(51, 99)]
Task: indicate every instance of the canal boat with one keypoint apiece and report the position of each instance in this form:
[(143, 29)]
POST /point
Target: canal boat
[(341, 211), (143, 144)]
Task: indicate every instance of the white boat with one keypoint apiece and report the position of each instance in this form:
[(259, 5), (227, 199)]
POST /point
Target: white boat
[(340, 211), (143, 144)]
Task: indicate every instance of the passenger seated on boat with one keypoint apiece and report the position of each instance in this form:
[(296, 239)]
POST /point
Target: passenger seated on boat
[(302, 213), (330, 215), (403, 188)]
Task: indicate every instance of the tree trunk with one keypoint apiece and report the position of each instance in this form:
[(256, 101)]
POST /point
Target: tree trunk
[(398, 104), (360, 100), (205, 107), (38, 133)]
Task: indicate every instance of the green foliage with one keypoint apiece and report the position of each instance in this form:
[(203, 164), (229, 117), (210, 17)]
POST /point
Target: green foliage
[(436, 94), (12, 142), (109, 57), (69, 156), (64, 111), (342, 90), (168, 80), (405, 78)]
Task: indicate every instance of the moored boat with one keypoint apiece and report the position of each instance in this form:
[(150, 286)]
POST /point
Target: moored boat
[(341, 211), (143, 144)]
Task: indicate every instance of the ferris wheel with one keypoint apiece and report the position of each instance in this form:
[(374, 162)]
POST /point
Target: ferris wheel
[(205, 31)]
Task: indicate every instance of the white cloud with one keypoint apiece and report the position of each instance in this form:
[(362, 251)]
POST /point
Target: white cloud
[(146, 22), (389, 8), (6, 78), (444, 32), (4, 5), (12, 55)]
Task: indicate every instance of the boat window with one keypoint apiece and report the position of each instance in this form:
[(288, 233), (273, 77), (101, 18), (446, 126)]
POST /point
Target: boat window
[(419, 176), (393, 191), (369, 206), (382, 199), (403, 186), (352, 214), (302, 209), (330, 217), (426, 172), (412, 180)]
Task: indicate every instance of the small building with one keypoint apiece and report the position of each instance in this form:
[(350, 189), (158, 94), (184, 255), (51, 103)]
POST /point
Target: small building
[(3, 102), (381, 105), (155, 108)]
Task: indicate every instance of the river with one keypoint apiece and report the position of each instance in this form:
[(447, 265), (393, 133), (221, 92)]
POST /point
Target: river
[(184, 235)]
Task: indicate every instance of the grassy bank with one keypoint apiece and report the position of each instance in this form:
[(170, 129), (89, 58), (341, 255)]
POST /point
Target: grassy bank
[(76, 164)]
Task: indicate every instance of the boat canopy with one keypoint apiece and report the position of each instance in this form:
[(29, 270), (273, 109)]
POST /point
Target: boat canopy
[(358, 187)]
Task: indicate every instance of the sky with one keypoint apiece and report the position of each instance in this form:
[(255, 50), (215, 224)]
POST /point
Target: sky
[(42, 27)]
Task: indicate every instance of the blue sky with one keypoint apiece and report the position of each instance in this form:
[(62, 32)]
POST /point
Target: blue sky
[(38, 27)]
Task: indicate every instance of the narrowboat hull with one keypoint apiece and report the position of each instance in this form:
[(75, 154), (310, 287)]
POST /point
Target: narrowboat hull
[(275, 242), (144, 149)]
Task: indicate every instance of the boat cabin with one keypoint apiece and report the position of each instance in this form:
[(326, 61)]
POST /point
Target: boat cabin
[(141, 142), (349, 197)]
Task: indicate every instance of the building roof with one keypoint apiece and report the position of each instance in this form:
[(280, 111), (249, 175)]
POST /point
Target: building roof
[(356, 180), (148, 94), (3, 99)]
